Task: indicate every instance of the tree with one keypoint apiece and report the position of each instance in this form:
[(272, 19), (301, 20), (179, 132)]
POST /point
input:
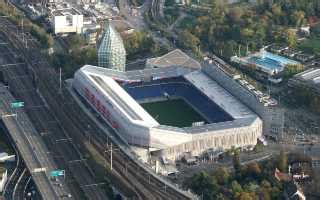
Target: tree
[(235, 14), (298, 18), (291, 38), (282, 163), (222, 175), (315, 30), (204, 185), (252, 170), (236, 162), (217, 17), (76, 42), (188, 41), (251, 187), (245, 196), (291, 70), (235, 188)]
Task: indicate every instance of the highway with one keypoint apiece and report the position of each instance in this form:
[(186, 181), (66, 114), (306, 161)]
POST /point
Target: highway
[(74, 123), (14, 177), (28, 148), (60, 148)]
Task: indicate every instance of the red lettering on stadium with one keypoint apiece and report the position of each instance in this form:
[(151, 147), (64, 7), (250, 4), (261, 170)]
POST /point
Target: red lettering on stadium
[(100, 108)]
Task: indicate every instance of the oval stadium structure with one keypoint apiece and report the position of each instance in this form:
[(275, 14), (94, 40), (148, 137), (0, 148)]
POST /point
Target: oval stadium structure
[(171, 110)]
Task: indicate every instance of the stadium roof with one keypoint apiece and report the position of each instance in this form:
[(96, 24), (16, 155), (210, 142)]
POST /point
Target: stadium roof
[(219, 95), (310, 77), (174, 58), (127, 105), (172, 71), (120, 98)]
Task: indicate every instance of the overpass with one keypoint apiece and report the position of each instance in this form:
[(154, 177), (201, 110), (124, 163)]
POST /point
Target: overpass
[(31, 147)]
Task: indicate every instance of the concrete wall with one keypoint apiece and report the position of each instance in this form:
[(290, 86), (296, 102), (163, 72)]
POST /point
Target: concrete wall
[(133, 133), (220, 139)]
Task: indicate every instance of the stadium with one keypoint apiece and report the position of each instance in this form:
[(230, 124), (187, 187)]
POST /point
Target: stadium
[(171, 111)]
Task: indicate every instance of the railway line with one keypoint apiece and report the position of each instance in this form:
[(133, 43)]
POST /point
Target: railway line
[(23, 88), (19, 189), (70, 120)]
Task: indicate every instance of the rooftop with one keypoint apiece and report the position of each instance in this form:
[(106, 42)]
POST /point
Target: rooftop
[(65, 12), (119, 97), (175, 58), (309, 77), (219, 95)]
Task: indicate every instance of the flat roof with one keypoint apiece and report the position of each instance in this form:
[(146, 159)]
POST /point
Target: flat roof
[(219, 95), (66, 11), (138, 75), (175, 58), (116, 97), (120, 98), (242, 115)]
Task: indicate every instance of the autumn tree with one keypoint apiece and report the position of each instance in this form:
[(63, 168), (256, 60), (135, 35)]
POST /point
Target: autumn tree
[(282, 163)]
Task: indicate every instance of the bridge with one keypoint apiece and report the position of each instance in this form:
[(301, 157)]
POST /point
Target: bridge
[(30, 146)]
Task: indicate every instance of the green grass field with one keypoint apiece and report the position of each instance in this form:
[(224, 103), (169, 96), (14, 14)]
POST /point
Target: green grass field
[(311, 45), (176, 113)]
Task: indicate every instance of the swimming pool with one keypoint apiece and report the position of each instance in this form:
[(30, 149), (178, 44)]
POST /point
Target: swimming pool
[(270, 62)]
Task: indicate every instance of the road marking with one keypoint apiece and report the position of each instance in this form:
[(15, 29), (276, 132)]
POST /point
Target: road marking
[(12, 64)]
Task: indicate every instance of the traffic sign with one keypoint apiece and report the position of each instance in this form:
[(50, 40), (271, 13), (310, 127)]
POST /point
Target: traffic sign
[(56, 173), (36, 170), (17, 104)]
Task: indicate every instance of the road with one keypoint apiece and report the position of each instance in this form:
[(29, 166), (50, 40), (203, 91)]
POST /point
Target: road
[(29, 149), (75, 123), (14, 177), (137, 20), (48, 128)]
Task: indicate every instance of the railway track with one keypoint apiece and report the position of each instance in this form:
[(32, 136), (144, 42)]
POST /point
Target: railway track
[(74, 121), (24, 89), (19, 189)]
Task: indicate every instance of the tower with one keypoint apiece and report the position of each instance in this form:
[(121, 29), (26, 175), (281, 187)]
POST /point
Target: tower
[(111, 51)]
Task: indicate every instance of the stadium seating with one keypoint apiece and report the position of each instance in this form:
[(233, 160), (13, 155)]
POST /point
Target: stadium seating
[(179, 87)]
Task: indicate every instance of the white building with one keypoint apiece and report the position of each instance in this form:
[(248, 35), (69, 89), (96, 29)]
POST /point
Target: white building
[(67, 20), (98, 87), (3, 178)]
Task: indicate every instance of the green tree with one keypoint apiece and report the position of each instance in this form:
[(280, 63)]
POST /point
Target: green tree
[(291, 38), (235, 14), (236, 162), (298, 18), (245, 196), (222, 175), (204, 185), (188, 41), (217, 17), (76, 42), (235, 187), (252, 170)]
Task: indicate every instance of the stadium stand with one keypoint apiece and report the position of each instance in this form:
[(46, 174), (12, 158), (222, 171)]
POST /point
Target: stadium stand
[(179, 87)]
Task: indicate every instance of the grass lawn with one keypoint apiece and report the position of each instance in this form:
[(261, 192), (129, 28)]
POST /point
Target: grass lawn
[(311, 45), (176, 113)]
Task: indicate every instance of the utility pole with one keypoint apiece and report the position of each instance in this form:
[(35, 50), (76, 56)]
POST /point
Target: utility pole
[(111, 156), (22, 29), (60, 79)]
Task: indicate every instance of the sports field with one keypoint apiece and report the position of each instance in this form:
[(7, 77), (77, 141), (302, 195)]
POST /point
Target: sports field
[(175, 112)]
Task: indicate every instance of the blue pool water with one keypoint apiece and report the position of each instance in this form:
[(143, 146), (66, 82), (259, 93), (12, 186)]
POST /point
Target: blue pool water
[(271, 61)]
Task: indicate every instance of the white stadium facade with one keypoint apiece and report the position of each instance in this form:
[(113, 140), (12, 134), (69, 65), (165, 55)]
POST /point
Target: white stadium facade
[(111, 94)]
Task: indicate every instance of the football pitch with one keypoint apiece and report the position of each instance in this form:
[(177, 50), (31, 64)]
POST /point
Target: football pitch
[(175, 112)]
